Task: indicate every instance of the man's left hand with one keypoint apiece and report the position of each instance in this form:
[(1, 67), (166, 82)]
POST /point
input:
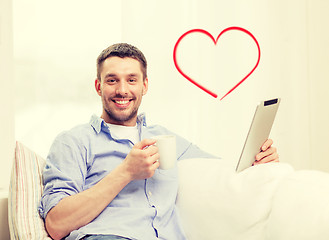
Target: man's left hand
[(267, 153)]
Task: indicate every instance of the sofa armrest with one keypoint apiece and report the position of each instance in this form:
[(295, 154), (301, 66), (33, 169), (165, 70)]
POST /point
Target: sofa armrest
[(4, 228), (301, 207)]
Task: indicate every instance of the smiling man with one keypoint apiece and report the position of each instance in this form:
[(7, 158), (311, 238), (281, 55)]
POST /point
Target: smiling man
[(121, 84), (102, 179)]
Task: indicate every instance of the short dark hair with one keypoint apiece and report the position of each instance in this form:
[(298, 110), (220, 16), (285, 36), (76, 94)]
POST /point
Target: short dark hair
[(122, 50)]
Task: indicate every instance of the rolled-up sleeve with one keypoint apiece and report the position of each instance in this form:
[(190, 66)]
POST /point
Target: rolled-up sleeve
[(64, 173)]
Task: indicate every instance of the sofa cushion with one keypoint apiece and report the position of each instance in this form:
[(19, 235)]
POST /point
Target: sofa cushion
[(215, 202), (24, 195), (301, 208)]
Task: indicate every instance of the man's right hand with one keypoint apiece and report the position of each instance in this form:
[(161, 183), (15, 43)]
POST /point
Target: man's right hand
[(142, 161)]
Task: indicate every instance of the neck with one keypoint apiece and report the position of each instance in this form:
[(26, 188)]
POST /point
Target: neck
[(129, 123)]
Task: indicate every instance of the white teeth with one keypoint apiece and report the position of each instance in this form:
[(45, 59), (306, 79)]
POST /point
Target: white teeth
[(122, 102)]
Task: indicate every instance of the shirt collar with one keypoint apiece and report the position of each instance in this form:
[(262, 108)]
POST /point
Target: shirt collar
[(141, 120), (97, 123)]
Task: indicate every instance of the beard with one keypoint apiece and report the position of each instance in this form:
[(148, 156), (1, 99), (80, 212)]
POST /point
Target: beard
[(118, 117), (121, 118)]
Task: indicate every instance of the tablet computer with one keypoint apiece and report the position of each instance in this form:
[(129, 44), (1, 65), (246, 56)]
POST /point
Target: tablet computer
[(259, 132)]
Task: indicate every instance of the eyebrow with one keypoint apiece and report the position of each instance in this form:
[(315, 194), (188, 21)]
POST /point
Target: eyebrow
[(133, 75), (109, 75)]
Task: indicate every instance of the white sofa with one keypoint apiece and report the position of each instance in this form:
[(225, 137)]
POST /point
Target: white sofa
[(266, 202)]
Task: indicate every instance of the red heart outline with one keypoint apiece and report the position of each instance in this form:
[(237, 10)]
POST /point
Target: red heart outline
[(215, 42)]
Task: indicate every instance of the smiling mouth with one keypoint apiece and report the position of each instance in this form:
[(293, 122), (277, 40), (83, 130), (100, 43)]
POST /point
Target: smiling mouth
[(122, 103)]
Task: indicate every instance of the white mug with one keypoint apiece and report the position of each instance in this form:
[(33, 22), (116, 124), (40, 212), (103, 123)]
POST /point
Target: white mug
[(166, 145)]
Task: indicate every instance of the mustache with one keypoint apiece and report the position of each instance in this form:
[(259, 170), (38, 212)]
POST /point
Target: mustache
[(124, 96)]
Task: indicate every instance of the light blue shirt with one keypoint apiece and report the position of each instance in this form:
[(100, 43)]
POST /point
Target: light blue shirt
[(143, 210)]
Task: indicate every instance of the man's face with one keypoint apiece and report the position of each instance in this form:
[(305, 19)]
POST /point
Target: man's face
[(121, 88)]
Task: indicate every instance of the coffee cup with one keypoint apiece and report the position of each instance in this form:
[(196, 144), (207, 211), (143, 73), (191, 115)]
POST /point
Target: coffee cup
[(166, 145)]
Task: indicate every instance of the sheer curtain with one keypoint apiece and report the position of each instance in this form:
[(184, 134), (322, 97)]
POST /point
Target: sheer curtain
[(56, 44), (6, 94)]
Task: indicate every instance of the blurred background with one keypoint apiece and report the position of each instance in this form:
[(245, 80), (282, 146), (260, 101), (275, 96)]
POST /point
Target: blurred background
[(48, 67)]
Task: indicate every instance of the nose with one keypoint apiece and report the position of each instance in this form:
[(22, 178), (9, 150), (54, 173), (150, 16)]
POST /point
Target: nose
[(122, 88)]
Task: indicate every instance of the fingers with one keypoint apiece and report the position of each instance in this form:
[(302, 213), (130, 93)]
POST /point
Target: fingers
[(267, 153), (142, 161), (155, 165), (151, 150), (145, 143), (270, 155), (267, 144), (148, 150), (270, 158), (146, 156)]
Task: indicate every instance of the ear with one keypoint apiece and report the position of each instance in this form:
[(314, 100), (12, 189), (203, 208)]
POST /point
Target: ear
[(145, 86), (98, 86)]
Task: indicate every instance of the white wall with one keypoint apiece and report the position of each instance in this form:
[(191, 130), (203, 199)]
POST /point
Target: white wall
[(221, 127), (318, 36), (56, 45), (6, 92)]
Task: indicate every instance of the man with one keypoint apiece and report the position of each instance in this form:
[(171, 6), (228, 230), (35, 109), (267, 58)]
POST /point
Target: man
[(102, 179)]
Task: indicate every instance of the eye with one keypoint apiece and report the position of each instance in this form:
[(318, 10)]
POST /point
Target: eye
[(110, 81), (132, 80)]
